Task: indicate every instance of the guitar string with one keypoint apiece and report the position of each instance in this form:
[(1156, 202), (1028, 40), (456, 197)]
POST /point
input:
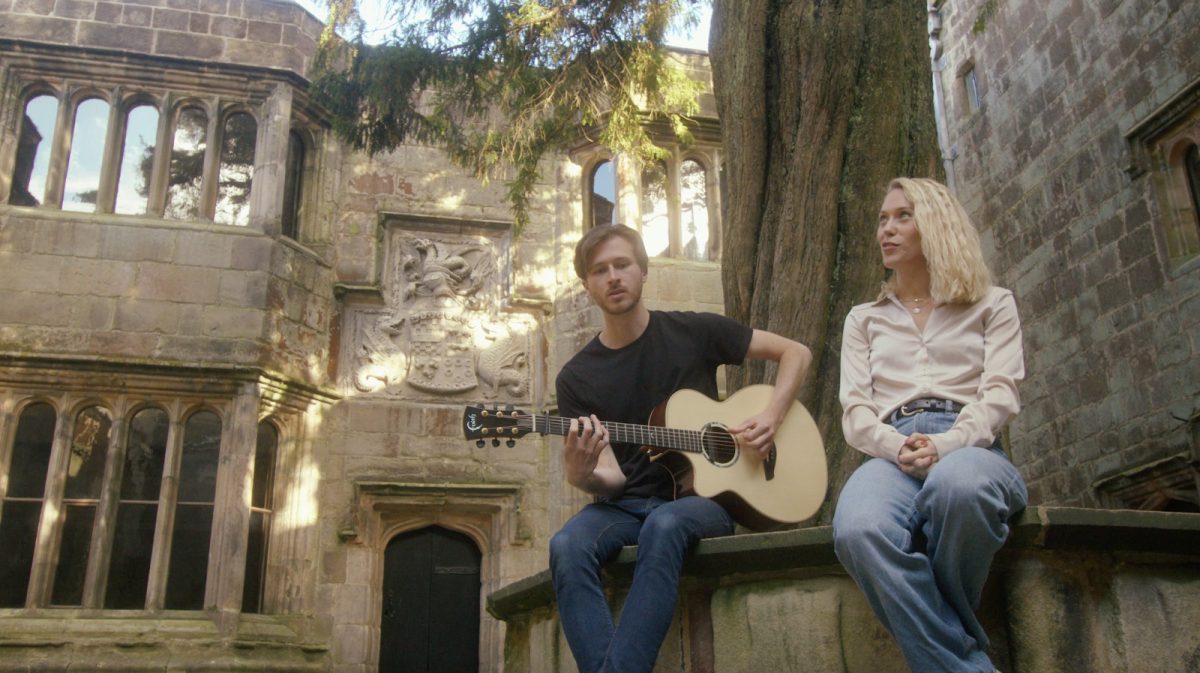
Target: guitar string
[(692, 439)]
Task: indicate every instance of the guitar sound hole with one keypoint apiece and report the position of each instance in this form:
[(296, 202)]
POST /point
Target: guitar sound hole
[(718, 445)]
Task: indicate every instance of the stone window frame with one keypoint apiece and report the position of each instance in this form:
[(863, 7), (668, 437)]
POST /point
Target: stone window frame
[(628, 187), (220, 90), (1158, 149), (224, 581), (970, 87)]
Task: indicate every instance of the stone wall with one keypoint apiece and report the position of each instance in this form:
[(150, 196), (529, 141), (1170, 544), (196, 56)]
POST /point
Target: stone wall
[(126, 290), (1045, 167), (268, 33), (1067, 593)]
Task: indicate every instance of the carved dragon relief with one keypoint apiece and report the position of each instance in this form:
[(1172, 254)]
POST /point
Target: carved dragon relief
[(440, 332)]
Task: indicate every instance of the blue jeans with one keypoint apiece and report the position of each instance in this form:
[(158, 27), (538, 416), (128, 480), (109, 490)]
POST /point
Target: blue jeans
[(920, 550), (664, 532)]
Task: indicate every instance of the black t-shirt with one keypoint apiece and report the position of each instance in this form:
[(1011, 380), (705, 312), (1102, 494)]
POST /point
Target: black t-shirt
[(678, 350)]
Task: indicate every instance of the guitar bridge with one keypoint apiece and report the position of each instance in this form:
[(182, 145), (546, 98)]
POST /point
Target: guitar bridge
[(769, 464)]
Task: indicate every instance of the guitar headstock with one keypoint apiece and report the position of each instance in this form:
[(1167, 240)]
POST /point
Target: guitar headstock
[(480, 423)]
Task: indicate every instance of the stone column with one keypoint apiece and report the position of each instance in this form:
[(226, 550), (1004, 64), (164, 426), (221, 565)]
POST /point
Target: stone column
[(110, 165), (270, 161), (60, 149), (231, 509), (627, 176), (712, 195)]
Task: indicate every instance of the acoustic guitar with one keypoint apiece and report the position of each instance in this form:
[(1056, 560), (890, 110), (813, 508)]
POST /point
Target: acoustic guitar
[(689, 434)]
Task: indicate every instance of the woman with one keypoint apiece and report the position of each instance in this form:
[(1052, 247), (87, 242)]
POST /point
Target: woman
[(929, 377)]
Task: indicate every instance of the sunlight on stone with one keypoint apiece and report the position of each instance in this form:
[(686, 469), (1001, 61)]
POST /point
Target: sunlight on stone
[(451, 202)]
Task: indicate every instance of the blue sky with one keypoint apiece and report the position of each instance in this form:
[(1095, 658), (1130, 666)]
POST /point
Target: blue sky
[(373, 14)]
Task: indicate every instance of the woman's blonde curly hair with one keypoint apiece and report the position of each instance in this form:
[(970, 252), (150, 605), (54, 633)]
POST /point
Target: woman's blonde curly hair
[(949, 242)]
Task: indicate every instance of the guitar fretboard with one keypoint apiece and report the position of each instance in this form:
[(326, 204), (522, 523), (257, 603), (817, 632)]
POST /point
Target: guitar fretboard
[(628, 433)]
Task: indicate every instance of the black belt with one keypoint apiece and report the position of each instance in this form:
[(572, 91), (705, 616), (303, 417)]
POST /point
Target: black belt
[(914, 407)]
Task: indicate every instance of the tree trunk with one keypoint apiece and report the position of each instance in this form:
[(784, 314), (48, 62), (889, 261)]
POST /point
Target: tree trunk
[(822, 102)]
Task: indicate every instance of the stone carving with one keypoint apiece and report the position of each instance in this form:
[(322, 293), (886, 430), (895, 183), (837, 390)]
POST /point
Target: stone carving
[(440, 332)]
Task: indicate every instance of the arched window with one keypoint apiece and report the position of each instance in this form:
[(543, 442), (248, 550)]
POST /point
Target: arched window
[(1191, 167), (261, 505), (81, 496), (33, 151), (293, 186), (187, 573), (693, 209), (137, 511), (237, 170), (137, 160), (186, 173), (21, 509), (656, 216), (603, 183), (87, 154)]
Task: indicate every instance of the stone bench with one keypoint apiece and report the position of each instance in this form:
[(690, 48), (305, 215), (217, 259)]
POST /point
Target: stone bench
[(1072, 590)]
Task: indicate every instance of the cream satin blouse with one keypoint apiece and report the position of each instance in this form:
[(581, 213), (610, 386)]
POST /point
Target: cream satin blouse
[(969, 353)]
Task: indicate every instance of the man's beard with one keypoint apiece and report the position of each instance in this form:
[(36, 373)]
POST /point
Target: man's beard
[(631, 297)]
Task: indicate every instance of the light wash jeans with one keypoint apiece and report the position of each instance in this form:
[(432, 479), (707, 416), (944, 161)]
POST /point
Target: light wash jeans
[(664, 532), (920, 551)]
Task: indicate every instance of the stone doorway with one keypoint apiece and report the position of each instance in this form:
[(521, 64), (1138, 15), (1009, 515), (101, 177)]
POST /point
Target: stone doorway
[(430, 615)]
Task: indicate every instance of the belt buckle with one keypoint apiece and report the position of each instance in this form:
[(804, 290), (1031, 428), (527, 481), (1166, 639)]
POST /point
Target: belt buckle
[(905, 412)]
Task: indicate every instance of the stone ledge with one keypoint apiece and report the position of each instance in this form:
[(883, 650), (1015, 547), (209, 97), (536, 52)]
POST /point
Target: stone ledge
[(1051, 528)]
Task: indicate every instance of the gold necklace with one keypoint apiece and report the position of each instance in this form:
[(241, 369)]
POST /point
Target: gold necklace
[(917, 301)]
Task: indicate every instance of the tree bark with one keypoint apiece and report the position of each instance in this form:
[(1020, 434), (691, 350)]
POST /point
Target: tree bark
[(822, 102)]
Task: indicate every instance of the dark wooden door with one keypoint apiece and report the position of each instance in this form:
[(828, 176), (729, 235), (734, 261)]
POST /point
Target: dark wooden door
[(430, 604)]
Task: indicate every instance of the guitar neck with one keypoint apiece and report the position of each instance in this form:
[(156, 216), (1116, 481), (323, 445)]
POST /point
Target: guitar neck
[(628, 433)]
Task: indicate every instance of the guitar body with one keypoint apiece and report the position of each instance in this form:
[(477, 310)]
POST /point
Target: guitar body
[(758, 495), (689, 436)]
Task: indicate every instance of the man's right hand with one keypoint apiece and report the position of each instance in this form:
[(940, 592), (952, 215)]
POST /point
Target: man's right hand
[(588, 457)]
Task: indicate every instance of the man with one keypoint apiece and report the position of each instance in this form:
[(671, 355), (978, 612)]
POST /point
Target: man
[(639, 359)]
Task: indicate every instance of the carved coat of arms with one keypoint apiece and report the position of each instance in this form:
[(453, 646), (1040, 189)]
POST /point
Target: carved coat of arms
[(439, 333)]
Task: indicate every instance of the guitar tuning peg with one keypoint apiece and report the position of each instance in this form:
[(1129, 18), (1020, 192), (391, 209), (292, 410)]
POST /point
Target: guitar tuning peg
[(479, 443), (511, 443), (495, 442)]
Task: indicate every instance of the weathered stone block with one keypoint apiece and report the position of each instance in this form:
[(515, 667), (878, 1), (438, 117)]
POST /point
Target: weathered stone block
[(41, 7), (122, 343), (35, 309), (30, 273), (271, 10), (170, 19), (170, 282), (138, 243), (74, 9), (142, 315), (243, 288), (232, 322), (251, 253), (263, 31), (189, 46), (227, 26), (206, 248), (97, 277), (38, 28), (133, 15), (788, 626), (198, 23)]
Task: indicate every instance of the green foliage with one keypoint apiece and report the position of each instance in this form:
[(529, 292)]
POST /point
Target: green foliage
[(985, 15), (499, 84)]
